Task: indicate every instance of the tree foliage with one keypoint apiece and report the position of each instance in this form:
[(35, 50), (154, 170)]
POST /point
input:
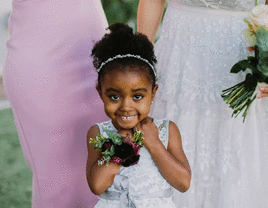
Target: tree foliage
[(123, 11)]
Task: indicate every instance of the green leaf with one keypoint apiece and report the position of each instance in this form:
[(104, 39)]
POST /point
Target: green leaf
[(117, 140), (263, 69), (115, 137), (243, 65), (253, 60), (112, 150), (262, 39), (111, 133)]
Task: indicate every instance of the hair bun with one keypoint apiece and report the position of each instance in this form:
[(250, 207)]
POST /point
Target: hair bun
[(120, 28)]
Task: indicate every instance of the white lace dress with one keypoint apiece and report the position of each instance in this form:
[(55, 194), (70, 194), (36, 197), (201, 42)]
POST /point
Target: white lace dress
[(140, 185), (199, 43)]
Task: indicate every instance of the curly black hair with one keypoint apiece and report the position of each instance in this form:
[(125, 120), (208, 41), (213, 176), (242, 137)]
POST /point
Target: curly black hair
[(121, 40)]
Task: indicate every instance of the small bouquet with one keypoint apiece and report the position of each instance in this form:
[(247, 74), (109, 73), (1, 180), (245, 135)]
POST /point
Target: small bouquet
[(241, 96), (117, 149)]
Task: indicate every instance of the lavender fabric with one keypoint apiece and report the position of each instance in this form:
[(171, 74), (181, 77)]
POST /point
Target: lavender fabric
[(50, 82)]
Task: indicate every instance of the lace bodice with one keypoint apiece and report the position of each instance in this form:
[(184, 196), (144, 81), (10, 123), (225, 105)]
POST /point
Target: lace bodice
[(141, 184), (238, 5)]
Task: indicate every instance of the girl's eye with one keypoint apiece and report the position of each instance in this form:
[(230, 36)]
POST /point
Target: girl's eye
[(138, 97), (114, 97)]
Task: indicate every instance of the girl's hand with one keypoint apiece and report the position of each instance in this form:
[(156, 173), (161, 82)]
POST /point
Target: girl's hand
[(149, 129), (99, 177), (263, 91), (125, 132), (171, 161)]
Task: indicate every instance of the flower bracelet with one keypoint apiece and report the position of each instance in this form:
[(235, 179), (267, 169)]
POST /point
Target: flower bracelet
[(117, 149)]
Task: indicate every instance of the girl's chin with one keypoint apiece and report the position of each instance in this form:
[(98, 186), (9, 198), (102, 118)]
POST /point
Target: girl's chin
[(125, 126)]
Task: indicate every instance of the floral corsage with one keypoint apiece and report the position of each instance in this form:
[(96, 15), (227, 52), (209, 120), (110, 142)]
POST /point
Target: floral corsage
[(117, 149), (240, 97)]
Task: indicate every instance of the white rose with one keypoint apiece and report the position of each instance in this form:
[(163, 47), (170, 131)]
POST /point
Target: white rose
[(259, 16)]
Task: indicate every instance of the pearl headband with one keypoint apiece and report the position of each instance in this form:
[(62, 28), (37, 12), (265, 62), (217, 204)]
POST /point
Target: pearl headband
[(126, 56)]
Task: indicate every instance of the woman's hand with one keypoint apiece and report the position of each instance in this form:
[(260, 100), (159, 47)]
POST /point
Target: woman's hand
[(263, 91)]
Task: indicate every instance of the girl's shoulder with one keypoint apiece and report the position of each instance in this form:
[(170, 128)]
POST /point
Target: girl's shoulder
[(98, 128), (106, 125)]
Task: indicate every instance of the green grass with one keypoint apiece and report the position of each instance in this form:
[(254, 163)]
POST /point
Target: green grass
[(15, 176)]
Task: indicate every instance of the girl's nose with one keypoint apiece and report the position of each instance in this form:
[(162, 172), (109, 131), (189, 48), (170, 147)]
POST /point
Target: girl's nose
[(126, 105)]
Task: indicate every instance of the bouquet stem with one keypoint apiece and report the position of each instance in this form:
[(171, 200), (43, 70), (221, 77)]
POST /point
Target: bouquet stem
[(238, 98)]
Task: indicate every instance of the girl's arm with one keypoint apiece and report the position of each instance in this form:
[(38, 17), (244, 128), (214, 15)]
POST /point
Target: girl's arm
[(149, 17), (171, 162), (99, 178)]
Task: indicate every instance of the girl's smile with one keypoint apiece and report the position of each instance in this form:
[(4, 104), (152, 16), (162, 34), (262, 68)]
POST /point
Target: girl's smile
[(127, 118), (127, 96)]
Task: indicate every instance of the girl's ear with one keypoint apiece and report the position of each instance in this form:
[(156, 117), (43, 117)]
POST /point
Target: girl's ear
[(99, 91), (154, 91)]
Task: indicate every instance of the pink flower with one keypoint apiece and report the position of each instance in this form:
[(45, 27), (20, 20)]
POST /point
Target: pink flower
[(116, 160), (136, 149)]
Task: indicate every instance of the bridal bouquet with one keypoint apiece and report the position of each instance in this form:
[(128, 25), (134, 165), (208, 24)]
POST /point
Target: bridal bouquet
[(240, 97), (117, 149)]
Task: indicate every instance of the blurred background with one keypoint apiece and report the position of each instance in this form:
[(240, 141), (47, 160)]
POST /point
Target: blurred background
[(15, 176)]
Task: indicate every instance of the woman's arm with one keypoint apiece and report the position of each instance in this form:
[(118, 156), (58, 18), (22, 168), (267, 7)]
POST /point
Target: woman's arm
[(149, 17), (99, 177), (171, 162)]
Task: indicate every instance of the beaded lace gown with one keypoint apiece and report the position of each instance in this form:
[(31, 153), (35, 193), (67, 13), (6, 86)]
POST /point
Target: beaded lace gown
[(140, 185), (50, 82), (200, 42)]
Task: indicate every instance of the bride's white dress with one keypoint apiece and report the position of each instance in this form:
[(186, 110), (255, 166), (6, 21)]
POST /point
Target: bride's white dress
[(199, 43)]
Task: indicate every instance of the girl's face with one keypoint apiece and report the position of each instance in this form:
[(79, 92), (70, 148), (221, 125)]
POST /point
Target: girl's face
[(127, 97)]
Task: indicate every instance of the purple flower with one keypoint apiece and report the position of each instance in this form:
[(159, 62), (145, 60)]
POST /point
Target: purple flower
[(106, 146), (128, 152)]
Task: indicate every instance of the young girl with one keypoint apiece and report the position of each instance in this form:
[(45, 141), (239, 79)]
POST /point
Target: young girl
[(126, 85)]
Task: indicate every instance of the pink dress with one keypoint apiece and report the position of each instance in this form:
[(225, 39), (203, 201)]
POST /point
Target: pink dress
[(50, 81)]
